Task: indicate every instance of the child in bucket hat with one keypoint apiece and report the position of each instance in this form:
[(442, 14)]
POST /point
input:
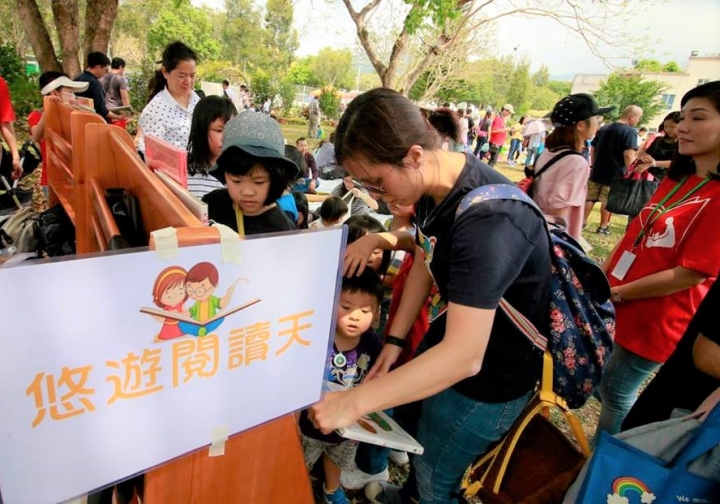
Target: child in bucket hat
[(256, 173)]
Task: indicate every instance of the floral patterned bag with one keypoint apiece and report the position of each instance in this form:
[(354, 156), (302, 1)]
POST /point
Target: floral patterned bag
[(582, 316)]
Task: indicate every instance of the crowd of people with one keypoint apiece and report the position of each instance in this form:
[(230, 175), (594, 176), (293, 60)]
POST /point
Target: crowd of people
[(418, 333)]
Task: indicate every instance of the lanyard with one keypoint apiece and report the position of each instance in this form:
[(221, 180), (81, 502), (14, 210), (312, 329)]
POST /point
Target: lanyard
[(652, 218), (240, 221)]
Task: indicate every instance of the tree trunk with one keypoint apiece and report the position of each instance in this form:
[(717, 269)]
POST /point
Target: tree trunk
[(67, 21), (99, 20), (38, 35)]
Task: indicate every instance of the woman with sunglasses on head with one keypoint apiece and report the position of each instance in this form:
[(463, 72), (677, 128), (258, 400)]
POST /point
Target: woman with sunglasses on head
[(475, 371)]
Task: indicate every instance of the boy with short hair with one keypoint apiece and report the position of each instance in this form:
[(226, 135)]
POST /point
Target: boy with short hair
[(52, 84), (354, 350), (333, 212), (310, 175)]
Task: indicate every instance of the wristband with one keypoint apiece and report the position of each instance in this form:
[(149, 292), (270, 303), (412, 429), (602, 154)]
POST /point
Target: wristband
[(394, 340)]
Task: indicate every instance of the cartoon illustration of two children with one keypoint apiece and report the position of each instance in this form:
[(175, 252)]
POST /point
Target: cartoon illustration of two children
[(174, 286)]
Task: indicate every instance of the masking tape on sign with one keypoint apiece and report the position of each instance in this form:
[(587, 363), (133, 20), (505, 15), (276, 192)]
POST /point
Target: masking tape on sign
[(166, 242), (218, 437), (230, 243)]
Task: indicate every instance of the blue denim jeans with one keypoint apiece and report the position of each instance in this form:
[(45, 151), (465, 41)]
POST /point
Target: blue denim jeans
[(530, 158), (370, 458), (624, 374), (454, 430), (515, 146)]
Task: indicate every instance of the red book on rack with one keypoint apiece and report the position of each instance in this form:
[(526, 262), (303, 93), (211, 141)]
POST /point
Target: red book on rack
[(163, 156)]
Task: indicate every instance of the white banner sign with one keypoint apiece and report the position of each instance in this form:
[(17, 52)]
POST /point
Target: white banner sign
[(112, 365)]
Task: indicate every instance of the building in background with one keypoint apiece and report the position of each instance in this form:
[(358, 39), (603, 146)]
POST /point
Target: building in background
[(699, 70)]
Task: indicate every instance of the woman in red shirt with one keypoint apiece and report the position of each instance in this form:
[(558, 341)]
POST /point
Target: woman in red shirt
[(668, 259)]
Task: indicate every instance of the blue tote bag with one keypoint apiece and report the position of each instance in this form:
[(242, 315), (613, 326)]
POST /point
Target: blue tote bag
[(619, 473)]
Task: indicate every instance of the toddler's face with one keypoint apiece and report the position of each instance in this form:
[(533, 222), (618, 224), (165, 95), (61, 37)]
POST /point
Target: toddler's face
[(355, 313), (375, 261)]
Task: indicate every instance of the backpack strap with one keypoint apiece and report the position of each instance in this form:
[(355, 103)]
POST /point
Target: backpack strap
[(508, 192), (554, 160)]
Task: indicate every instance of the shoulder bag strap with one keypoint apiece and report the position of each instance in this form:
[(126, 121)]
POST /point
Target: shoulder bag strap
[(554, 160)]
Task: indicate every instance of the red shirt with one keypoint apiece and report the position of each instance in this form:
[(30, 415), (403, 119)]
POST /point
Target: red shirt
[(687, 235), (7, 114), (422, 322), (33, 120), (498, 123)]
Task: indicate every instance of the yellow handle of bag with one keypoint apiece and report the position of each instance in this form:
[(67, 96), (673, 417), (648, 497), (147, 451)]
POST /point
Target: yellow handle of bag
[(543, 400)]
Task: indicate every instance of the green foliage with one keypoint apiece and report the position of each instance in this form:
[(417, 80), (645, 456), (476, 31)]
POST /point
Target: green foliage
[(189, 24), (138, 81), (241, 30), (561, 88), (622, 90), (543, 98), (217, 71), (518, 93), (672, 66), (648, 65), (541, 78), (329, 101), (286, 91), (301, 72), (333, 67), (262, 87), (280, 38), (441, 12), (23, 88), (653, 65)]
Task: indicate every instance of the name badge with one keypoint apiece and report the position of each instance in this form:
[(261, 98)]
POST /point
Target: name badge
[(623, 265)]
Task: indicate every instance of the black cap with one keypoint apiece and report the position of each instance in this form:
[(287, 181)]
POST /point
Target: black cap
[(575, 108)]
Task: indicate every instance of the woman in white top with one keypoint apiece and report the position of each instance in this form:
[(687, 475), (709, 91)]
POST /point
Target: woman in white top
[(561, 190), (168, 114), (205, 144)]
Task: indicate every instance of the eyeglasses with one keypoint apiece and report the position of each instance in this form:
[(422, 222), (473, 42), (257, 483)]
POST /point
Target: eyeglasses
[(369, 188)]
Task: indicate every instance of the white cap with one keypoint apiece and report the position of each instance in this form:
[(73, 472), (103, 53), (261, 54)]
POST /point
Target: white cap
[(509, 108), (64, 81)]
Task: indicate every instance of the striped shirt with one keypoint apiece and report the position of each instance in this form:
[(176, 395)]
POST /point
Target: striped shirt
[(199, 185)]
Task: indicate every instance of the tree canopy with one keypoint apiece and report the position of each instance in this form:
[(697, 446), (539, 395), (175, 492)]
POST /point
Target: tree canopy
[(623, 89)]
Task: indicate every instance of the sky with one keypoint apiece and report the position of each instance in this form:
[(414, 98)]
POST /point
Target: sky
[(672, 28)]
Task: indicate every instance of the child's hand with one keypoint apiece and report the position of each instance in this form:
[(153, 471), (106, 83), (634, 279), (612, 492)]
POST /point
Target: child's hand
[(335, 411), (388, 356), (358, 253)]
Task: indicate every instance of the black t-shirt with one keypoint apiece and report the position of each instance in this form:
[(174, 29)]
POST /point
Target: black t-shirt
[(495, 249), (662, 149), (94, 91), (679, 384), (220, 210), (610, 143)]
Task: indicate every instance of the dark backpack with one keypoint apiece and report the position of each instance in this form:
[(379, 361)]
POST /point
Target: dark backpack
[(56, 233), (581, 314), (125, 208), (31, 157), (527, 185)]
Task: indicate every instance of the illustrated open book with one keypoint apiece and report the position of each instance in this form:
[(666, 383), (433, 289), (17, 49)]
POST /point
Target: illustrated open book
[(184, 318), (378, 429)]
